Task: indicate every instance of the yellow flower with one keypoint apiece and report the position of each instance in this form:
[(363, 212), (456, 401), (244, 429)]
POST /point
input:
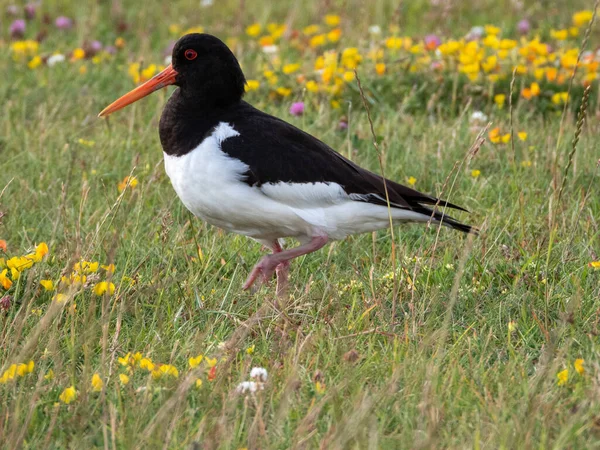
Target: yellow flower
[(475, 173), (253, 30), (198, 383), (290, 68), (194, 362), (131, 181), (559, 35), (505, 138), (124, 378), (21, 49), (110, 268), (317, 40), (560, 98), (310, 30), (582, 18), (22, 370), (59, 298), (78, 53), (252, 85), (49, 375), (146, 363), (499, 100), (412, 180), (97, 383), (332, 20), (319, 388), (5, 282), (250, 350), (522, 135), (380, 68), (312, 86), (35, 62), (492, 30), (68, 395), (210, 363), (283, 91), (86, 267), (103, 287), (9, 374), (595, 264), (578, 364), (119, 42), (165, 369), (526, 163), (562, 377), (334, 35), (348, 76), (335, 104)]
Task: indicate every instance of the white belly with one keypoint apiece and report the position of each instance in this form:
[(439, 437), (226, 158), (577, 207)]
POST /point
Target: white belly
[(211, 185)]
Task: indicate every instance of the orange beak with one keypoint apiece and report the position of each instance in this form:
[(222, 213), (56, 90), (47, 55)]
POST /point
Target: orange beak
[(158, 81)]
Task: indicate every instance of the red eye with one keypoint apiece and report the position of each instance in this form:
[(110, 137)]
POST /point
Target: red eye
[(190, 54)]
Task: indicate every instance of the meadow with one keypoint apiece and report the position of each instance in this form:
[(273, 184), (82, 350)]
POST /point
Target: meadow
[(122, 319)]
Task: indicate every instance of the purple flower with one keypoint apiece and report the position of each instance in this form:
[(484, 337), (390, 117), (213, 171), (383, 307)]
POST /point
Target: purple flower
[(30, 9), (297, 109), (63, 23), (5, 302), (110, 49), (93, 47), (343, 125), (17, 28), (432, 41), (523, 26)]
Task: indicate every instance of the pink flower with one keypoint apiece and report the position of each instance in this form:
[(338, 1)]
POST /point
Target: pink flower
[(523, 26), (30, 11), (5, 302), (17, 28), (63, 23), (432, 41), (297, 109)]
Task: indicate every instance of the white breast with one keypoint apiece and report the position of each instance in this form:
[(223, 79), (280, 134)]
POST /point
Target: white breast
[(211, 185)]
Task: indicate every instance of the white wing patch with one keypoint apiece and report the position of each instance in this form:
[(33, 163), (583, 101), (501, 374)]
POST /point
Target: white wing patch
[(314, 195)]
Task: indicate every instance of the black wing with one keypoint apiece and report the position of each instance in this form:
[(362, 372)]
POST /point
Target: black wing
[(276, 151)]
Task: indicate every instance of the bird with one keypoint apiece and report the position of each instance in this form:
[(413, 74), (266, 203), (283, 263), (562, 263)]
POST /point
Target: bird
[(250, 173)]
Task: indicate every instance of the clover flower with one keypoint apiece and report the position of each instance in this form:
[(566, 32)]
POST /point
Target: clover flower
[(246, 386), (63, 23), (259, 373), (297, 109), (17, 29)]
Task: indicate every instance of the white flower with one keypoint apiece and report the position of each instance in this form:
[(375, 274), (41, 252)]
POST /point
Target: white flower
[(206, 3), (478, 116), (375, 29), (55, 59), (259, 373), (270, 49), (246, 386)]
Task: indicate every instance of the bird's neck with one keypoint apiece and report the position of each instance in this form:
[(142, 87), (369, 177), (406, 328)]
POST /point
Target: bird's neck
[(187, 121)]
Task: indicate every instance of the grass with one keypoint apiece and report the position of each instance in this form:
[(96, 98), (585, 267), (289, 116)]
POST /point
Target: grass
[(482, 325)]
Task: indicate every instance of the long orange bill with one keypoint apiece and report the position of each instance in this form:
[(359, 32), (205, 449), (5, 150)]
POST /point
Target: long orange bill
[(158, 81)]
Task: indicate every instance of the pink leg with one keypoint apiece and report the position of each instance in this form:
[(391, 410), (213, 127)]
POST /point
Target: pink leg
[(282, 271), (280, 260)]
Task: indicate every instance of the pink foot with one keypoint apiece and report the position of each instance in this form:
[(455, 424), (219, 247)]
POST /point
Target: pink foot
[(264, 269)]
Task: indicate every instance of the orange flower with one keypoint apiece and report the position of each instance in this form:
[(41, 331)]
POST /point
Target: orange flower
[(3, 245)]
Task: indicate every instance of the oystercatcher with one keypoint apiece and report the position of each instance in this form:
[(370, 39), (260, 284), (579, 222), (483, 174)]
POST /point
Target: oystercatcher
[(245, 171)]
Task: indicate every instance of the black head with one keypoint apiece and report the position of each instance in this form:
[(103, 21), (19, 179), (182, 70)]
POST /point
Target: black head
[(207, 69)]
